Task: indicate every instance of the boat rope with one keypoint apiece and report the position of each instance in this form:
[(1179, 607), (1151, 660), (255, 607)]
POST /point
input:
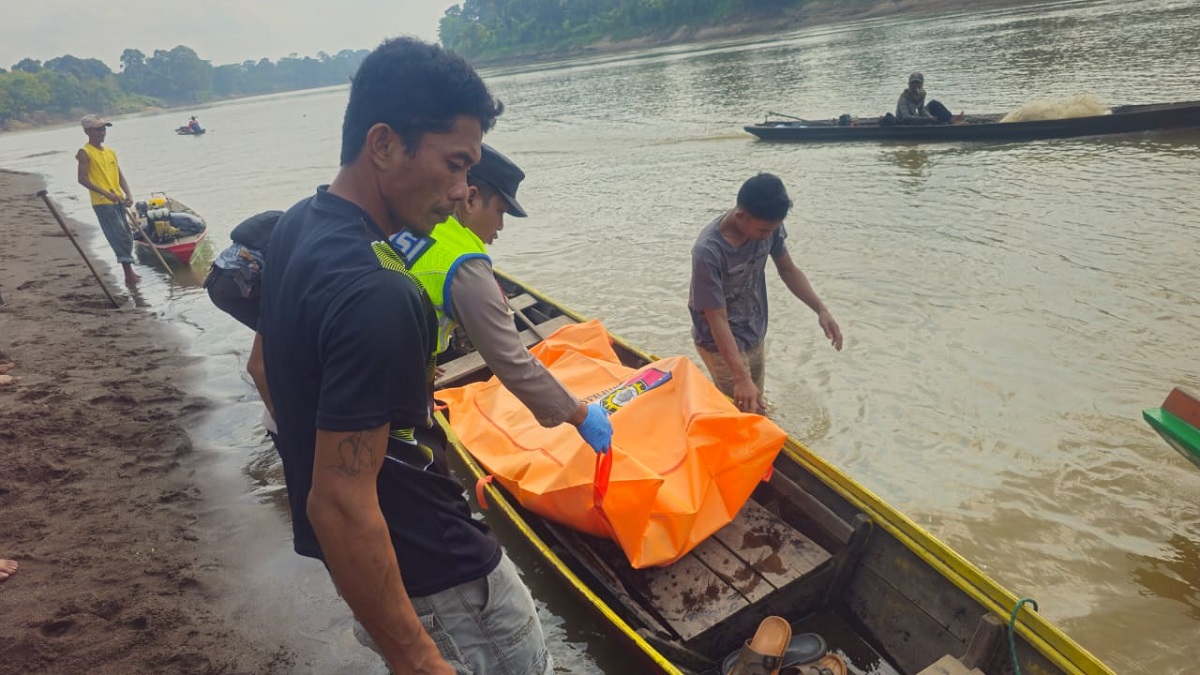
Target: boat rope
[(1012, 630)]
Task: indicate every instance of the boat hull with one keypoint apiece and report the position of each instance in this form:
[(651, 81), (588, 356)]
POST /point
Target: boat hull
[(1123, 119), (180, 248), (1178, 422), (887, 594)]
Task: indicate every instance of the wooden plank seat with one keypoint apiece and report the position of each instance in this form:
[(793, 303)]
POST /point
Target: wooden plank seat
[(746, 562), (470, 364), (742, 563), (521, 302), (948, 665)]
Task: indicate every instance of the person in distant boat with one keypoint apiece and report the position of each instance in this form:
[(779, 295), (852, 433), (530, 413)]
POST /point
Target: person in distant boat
[(453, 265), (349, 341), (109, 191), (911, 107), (728, 295), (193, 126)]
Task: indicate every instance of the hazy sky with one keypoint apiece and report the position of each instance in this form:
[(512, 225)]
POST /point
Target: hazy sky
[(221, 31)]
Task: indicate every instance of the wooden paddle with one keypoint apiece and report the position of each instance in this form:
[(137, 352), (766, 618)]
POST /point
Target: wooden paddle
[(63, 225)]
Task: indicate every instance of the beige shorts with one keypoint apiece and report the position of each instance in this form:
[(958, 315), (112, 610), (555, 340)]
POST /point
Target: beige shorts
[(718, 370)]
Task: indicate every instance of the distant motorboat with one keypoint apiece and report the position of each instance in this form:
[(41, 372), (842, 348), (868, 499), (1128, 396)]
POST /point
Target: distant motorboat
[(185, 130), (1117, 120)]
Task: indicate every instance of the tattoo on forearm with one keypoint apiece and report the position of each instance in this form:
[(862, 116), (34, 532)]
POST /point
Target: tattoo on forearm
[(355, 453)]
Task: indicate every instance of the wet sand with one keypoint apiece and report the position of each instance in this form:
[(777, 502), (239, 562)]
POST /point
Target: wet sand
[(103, 498)]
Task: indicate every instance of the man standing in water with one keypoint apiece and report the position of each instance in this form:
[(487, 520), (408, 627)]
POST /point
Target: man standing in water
[(728, 298), (99, 173), (349, 340)]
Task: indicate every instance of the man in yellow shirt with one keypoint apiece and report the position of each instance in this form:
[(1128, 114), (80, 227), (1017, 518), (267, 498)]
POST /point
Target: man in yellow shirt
[(99, 173)]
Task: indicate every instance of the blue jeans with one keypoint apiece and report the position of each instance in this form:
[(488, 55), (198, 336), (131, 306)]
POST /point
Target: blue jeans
[(116, 230), (488, 626)]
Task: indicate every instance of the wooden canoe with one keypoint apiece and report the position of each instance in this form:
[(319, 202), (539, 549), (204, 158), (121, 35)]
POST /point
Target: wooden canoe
[(181, 247), (812, 546), (1119, 120), (1178, 422)]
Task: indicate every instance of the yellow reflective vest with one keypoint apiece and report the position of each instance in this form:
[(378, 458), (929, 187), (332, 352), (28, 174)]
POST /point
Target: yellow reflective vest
[(433, 259)]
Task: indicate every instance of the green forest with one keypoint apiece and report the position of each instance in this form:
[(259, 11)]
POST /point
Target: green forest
[(67, 87), (488, 30)]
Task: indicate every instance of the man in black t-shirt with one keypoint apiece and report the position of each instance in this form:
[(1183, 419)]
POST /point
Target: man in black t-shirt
[(348, 338)]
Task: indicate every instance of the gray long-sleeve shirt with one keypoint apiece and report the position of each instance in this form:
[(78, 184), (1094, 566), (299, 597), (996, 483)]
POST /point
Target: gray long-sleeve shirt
[(480, 308), (910, 108)]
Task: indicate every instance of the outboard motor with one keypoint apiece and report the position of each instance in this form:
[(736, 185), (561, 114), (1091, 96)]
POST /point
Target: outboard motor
[(158, 219)]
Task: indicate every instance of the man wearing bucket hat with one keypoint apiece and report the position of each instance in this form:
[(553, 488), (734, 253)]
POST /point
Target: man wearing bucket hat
[(109, 191), (911, 108), (453, 265)]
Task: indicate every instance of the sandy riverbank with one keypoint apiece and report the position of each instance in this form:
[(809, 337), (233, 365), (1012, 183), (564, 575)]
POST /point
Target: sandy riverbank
[(103, 498)]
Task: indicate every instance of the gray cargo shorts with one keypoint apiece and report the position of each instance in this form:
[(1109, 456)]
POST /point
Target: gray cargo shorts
[(116, 230), (488, 626)]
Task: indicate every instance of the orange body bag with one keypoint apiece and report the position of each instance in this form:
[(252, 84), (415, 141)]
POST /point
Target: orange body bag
[(684, 459)]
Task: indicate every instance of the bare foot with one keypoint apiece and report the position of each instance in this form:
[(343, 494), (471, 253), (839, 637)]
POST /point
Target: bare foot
[(5, 367), (6, 380), (132, 278), (8, 568)]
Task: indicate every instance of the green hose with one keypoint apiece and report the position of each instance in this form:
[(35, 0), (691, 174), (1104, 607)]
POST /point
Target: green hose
[(1012, 630)]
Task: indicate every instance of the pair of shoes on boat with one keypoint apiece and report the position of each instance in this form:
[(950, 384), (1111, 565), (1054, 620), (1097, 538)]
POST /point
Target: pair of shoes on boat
[(774, 651)]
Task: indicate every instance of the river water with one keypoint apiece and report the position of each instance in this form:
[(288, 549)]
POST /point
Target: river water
[(1009, 309)]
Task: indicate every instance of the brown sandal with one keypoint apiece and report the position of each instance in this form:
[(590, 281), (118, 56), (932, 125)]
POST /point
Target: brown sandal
[(763, 654), (830, 664)]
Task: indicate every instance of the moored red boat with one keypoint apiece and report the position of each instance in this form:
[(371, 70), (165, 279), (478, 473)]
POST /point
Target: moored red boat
[(168, 225)]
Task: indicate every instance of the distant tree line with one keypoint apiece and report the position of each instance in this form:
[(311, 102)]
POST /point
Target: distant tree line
[(487, 29), (68, 86)]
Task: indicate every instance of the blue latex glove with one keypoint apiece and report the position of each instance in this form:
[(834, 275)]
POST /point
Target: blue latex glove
[(596, 429)]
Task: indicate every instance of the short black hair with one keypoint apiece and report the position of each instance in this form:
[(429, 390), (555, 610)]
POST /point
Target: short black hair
[(486, 189), (415, 88), (765, 197)]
